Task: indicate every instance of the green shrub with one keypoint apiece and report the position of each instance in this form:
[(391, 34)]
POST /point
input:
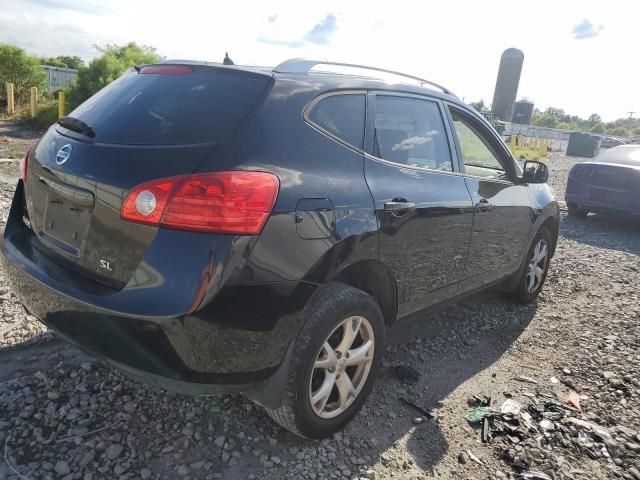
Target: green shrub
[(47, 115), (113, 62), (618, 131), (20, 69)]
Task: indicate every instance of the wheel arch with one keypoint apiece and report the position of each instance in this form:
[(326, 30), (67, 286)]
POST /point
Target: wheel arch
[(375, 279), (553, 225)]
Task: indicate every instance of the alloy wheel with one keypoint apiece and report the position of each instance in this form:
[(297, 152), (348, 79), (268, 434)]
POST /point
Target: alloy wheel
[(341, 367), (537, 266)]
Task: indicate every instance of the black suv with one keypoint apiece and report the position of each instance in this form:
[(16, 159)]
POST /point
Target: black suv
[(211, 228)]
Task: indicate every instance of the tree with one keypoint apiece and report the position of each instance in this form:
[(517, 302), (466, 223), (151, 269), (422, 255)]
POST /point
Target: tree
[(51, 62), (618, 131), (593, 119), (479, 106), (74, 61), (63, 61), (106, 68), (20, 69), (550, 121), (597, 128)]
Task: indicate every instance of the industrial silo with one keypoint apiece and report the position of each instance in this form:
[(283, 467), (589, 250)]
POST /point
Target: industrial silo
[(504, 96), (523, 112)]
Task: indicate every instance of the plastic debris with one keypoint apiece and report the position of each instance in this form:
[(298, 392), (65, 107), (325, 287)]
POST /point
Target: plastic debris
[(573, 399), (526, 379), (407, 374), (554, 380), (531, 475), (527, 420), (474, 458), (481, 400), (547, 425), (417, 408), (477, 414), (583, 438), (510, 407), (486, 431)]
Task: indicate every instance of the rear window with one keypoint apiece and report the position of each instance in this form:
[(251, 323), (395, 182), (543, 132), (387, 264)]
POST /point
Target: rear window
[(621, 155), (150, 108), (341, 115)]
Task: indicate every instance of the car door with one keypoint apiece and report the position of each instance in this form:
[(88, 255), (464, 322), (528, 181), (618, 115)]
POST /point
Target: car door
[(503, 216), (423, 207)]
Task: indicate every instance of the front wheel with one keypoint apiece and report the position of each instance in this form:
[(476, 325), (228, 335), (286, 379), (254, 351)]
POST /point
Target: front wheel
[(335, 360), (536, 268)]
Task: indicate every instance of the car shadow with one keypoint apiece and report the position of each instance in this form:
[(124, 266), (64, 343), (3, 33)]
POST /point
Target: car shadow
[(604, 231), (448, 346)]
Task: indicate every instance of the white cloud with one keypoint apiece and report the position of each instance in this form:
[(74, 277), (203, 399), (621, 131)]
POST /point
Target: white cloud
[(454, 43), (586, 29)]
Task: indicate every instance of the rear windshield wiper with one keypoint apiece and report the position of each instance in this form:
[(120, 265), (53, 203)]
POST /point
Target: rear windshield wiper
[(77, 126)]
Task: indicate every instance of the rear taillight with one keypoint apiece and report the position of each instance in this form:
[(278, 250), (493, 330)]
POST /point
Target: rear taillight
[(24, 163), (235, 202)]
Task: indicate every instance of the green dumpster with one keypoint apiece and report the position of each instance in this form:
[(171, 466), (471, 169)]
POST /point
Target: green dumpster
[(582, 145)]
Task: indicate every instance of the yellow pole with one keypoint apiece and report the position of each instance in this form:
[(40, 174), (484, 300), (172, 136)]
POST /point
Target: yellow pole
[(10, 99), (34, 101), (61, 103)]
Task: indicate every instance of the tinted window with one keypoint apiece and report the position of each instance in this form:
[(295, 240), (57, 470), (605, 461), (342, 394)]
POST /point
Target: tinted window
[(479, 158), (411, 132), (197, 107), (342, 116)]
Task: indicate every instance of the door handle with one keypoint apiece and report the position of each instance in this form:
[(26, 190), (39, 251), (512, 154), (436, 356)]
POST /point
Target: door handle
[(398, 206), (484, 205)]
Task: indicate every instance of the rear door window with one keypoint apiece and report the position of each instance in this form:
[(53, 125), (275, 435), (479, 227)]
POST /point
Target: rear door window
[(341, 115), (410, 131), (202, 105)]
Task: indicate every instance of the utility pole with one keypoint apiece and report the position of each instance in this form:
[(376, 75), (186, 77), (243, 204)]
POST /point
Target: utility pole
[(631, 114)]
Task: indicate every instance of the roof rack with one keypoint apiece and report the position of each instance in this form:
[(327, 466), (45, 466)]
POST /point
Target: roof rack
[(304, 65)]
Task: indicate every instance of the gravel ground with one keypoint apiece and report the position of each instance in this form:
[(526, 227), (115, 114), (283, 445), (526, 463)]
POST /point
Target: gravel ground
[(66, 415)]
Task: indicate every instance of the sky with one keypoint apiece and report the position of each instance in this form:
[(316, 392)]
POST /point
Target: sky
[(580, 56)]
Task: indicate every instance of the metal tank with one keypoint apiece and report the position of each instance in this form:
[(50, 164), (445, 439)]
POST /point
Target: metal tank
[(523, 112), (504, 96)]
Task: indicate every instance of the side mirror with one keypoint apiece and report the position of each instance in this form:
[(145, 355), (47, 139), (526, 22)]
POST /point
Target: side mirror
[(535, 172)]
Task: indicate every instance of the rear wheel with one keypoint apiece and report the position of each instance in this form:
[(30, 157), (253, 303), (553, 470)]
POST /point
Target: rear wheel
[(335, 360), (536, 268), (574, 211)]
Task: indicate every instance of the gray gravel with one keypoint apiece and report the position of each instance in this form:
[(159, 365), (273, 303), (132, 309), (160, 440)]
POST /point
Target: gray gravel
[(65, 415)]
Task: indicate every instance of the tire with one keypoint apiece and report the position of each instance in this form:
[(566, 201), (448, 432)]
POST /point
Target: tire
[(524, 292), (326, 320), (575, 211)]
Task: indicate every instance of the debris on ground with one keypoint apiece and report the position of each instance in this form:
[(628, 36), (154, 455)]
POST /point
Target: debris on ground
[(477, 414), (530, 475), (522, 378), (573, 399), (407, 374), (525, 433), (417, 408)]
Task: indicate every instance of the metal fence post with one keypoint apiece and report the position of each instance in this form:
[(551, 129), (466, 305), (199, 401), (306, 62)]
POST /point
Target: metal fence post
[(10, 99), (34, 101), (61, 103)]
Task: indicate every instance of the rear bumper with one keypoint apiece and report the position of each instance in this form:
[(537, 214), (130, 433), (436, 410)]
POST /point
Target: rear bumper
[(586, 203), (236, 340)]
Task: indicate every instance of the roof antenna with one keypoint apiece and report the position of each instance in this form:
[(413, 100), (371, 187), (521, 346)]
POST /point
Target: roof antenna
[(227, 60)]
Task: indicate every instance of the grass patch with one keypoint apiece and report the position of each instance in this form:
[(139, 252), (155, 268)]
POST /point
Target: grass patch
[(46, 116)]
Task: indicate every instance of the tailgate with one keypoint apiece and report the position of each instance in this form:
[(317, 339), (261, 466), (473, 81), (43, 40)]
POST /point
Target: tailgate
[(74, 208)]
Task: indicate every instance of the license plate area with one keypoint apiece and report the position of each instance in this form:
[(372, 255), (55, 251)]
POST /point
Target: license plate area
[(65, 223)]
